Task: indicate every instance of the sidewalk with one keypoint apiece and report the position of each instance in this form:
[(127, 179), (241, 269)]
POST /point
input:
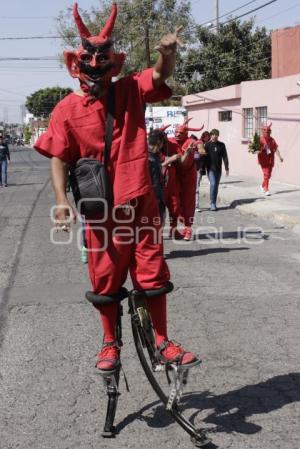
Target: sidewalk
[(282, 207)]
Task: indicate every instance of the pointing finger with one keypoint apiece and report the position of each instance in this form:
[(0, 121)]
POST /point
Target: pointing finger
[(177, 31)]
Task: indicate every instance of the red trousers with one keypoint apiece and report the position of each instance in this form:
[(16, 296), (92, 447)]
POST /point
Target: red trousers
[(267, 173), (188, 184), (129, 243), (172, 195)]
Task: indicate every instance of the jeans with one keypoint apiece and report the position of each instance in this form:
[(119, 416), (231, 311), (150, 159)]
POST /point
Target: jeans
[(214, 180), (199, 177), (3, 172)]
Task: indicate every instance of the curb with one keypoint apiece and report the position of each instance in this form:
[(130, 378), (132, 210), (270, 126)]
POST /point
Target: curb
[(248, 206), (279, 218)]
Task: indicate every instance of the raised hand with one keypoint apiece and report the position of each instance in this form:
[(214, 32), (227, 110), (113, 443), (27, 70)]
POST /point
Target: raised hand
[(169, 42)]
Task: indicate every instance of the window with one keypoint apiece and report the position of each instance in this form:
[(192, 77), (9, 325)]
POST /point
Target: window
[(248, 123), (225, 116), (261, 117)]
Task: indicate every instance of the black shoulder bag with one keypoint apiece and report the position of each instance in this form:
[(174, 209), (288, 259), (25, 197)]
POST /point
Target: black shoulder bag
[(89, 179)]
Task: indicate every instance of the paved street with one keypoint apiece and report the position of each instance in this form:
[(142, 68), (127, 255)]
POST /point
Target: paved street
[(236, 303)]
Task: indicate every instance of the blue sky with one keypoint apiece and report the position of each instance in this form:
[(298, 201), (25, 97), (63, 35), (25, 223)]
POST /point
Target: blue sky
[(20, 18)]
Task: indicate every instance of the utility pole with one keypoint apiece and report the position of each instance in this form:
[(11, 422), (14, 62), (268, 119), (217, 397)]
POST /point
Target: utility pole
[(217, 15)]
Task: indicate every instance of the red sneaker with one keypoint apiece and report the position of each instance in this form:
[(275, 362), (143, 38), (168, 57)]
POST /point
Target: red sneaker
[(188, 234), (175, 234), (172, 352), (108, 358)]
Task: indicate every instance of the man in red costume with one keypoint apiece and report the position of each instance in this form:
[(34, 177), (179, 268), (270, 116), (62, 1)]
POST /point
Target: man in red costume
[(186, 175), (76, 130), (268, 147), (170, 157)]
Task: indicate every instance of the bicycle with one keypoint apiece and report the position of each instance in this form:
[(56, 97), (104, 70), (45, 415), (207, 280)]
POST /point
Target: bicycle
[(144, 340)]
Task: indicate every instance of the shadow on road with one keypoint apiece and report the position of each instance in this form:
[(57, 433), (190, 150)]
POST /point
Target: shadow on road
[(240, 201), (231, 409), (285, 191), (25, 184), (201, 252)]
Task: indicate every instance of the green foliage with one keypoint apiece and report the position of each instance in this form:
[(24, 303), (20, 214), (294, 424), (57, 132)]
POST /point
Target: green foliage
[(27, 135), (236, 53), (41, 102), (254, 145)]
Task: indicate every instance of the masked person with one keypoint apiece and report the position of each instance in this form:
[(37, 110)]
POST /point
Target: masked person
[(200, 162), (268, 147), (76, 130), (170, 157), (186, 175)]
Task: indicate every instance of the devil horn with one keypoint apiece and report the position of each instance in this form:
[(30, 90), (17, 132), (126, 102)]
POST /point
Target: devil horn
[(196, 129), (108, 27), (164, 128), (83, 31), (270, 125)]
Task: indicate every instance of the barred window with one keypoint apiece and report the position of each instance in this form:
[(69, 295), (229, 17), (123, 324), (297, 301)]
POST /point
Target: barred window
[(248, 123), (225, 116), (261, 117)]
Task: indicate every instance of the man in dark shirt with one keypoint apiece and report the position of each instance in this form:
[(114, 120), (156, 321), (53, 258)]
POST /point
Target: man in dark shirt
[(155, 144), (216, 152), (4, 160)]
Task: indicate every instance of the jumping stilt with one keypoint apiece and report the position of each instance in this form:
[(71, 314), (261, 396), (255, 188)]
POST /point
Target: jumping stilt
[(111, 383)]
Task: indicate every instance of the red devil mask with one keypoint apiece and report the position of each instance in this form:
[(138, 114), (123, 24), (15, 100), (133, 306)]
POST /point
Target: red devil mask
[(181, 131), (266, 130), (94, 63)]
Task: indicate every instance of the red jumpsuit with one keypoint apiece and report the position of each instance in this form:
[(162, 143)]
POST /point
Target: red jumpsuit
[(187, 179), (77, 129), (268, 148), (172, 194)]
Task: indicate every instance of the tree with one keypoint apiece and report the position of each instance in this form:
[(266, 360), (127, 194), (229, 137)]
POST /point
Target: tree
[(234, 54), (27, 135), (138, 28), (41, 102)]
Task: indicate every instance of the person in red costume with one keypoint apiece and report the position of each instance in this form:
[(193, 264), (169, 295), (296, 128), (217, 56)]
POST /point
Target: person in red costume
[(170, 157), (76, 130), (268, 147), (186, 175)]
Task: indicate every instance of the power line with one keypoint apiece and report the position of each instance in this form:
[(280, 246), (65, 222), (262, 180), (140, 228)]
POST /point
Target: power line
[(35, 58), (124, 10), (32, 37), (280, 12), (26, 17), (229, 12), (247, 13)]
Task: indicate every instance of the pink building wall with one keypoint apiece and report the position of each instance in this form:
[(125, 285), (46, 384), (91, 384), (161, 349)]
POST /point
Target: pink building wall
[(280, 95)]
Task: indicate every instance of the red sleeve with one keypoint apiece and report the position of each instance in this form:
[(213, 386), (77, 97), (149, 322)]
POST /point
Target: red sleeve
[(149, 92), (173, 148), (55, 141)]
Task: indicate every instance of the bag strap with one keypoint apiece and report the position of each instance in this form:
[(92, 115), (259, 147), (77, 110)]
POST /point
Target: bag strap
[(109, 123)]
